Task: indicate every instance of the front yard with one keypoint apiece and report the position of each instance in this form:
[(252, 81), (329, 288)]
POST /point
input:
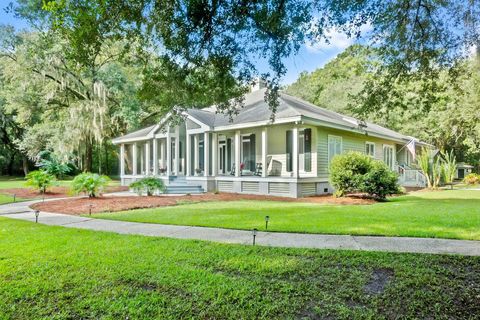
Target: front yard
[(440, 214), (59, 273)]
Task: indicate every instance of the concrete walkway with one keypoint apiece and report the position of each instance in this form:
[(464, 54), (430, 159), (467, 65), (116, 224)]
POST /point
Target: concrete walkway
[(21, 211)]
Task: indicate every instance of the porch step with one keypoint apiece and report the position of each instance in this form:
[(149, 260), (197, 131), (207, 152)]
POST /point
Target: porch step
[(183, 189)]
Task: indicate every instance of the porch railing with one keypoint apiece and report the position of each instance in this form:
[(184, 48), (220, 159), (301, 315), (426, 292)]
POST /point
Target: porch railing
[(411, 177)]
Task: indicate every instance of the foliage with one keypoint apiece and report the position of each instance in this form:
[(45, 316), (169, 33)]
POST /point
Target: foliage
[(449, 166), (423, 161), (347, 171), (50, 163), (90, 183), (40, 180), (472, 179), (150, 185), (380, 181), (357, 172), (335, 85)]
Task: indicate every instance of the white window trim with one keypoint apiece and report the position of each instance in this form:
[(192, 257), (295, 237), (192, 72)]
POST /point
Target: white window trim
[(328, 145), (374, 148)]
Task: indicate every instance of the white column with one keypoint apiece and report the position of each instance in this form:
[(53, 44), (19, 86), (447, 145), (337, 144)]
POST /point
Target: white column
[(147, 158), (196, 153), (188, 155), (206, 153), (264, 152), (177, 150), (214, 154), (237, 153), (134, 155), (295, 152), (122, 160), (155, 156), (169, 153)]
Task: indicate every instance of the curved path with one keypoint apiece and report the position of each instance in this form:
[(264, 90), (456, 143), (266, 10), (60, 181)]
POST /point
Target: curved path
[(21, 211)]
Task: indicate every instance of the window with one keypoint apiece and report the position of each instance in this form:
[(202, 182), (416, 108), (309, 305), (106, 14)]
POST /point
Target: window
[(388, 156), (334, 147), (289, 150), (248, 152), (305, 150), (370, 149)]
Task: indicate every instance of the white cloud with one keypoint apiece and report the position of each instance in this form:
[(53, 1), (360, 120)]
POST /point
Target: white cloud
[(336, 39)]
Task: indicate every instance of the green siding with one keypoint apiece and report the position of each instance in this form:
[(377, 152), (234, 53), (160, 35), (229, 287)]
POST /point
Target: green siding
[(350, 142)]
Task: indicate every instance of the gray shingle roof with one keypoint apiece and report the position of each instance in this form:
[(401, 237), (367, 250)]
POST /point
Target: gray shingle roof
[(257, 110), (135, 134)]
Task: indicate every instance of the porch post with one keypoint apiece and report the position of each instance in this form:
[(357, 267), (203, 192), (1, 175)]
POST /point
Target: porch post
[(147, 158), (196, 153), (206, 154), (187, 154), (295, 152), (134, 155), (177, 150), (169, 153), (264, 151), (122, 160), (214, 154), (155, 156), (237, 153)]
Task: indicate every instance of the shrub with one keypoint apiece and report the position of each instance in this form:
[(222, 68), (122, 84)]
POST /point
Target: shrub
[(51, 164), (40, 180), (89, 183), (357, 172), (380, 181), (472, 178), (347, 170), (148, 185)]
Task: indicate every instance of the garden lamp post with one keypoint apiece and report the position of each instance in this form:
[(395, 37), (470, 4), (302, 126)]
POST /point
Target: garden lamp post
[(37, 213), (267, 218), (90, 209), (14, 197), (254, 233)]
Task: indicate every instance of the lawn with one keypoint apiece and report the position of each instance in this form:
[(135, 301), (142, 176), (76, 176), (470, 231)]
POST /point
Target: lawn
[(59, 273), (7, 182), (441, 214), (5, 198)]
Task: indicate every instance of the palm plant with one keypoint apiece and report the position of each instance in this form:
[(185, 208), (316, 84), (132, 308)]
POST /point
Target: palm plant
[(424, 165), (449, 167)]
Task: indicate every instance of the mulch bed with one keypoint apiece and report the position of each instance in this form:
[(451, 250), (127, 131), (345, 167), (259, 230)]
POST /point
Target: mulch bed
[(79, 206), (53, 192)]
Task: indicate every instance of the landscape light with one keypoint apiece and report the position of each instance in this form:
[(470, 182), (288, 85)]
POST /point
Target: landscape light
[(90, 209), (37, 213), (14, 196), (254, 233), (267, 218)]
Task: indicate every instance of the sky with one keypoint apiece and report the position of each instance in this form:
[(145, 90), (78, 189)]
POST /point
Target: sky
[(309, 58)]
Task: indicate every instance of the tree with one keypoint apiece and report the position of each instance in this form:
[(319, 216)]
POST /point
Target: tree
[(231, 36), (64, 107)]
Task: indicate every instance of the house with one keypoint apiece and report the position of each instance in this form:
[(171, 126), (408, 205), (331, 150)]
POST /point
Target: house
[(251, 154), (463, 169)]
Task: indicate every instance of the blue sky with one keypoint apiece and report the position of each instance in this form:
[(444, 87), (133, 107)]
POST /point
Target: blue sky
[(309, 58)]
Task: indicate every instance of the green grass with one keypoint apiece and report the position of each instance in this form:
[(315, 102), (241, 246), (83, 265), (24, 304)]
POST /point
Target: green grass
[(58, 273), (442, 214), (7, 182), (5, 198)]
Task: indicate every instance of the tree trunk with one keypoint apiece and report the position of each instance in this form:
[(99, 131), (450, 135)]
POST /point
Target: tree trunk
[(11, 162), (88, 156), (25, 165)]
